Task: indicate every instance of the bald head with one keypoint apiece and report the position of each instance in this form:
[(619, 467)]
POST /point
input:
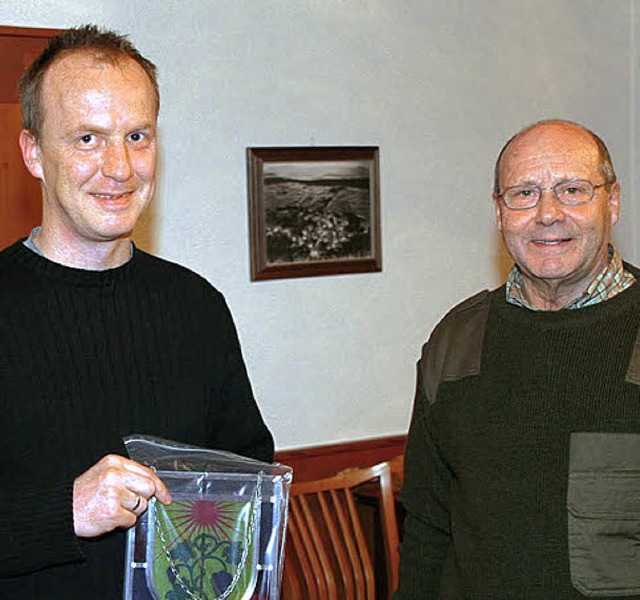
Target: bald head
[(547, 134)]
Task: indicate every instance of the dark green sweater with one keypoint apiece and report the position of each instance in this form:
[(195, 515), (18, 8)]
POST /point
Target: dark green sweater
[(487, 463), (85, 359)]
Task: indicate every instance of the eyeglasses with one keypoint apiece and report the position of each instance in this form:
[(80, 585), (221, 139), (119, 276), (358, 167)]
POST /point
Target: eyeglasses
[(571, 192)]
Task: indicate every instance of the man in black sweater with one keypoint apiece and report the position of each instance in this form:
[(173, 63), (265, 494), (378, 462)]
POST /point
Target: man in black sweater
[(98, 339), (522, 462)]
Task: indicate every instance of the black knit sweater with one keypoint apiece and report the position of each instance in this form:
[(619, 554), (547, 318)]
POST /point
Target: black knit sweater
[(87, 357), (486, 487)]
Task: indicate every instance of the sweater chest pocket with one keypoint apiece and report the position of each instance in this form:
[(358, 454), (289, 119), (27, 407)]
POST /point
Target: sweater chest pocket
[(603, 503)]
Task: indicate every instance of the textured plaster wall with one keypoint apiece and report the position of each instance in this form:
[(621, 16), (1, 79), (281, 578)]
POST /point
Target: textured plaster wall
[(439, 86)]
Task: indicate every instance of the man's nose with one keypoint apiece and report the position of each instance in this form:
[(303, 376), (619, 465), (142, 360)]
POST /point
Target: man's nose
[(116, 162), (549, 208)]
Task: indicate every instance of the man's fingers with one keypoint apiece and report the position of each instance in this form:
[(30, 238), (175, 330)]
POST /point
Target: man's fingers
[(134, 467), (162, 493), (144, 481), (114, 493), (148, 485), (136, 504)]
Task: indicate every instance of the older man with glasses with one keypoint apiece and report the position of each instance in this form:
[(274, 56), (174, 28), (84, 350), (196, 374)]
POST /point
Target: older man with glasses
[(522, 470)]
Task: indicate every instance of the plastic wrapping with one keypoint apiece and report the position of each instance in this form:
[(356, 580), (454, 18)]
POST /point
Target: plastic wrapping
[(222, 537)]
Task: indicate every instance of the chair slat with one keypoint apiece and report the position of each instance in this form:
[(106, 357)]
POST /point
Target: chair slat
[(305, 551), (363, 551), (320, 561), (337, 537), (327, 542), (295, 565)]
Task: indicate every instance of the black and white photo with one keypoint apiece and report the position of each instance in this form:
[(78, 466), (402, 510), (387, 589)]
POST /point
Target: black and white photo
[(313, 211)]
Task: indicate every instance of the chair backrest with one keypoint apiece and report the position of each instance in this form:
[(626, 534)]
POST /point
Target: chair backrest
[(327, 555)]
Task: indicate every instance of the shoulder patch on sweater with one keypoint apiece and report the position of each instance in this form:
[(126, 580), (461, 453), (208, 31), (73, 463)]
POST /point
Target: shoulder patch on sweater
[(454, 349)]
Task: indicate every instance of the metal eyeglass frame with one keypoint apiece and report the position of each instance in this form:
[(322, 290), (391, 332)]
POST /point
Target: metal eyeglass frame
[(539, 190)]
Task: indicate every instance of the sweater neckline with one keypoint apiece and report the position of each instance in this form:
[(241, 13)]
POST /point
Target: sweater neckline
[(625, 300), (45, 267)]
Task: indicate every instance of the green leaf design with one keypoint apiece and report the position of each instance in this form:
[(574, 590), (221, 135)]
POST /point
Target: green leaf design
[(200, 546)]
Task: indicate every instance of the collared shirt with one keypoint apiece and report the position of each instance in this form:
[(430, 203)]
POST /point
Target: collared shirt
[(612, 280), (31, 243)]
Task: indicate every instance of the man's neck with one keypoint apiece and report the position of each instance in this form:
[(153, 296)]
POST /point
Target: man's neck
[(556, 294), (92, 256), (548, 296)]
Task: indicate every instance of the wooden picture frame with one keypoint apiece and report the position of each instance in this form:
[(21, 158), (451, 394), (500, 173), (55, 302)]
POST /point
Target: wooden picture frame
[(313, 211)]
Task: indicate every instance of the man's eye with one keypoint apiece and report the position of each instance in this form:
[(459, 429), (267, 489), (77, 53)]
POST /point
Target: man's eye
[(525, 192), (87, 138), (137, 136)]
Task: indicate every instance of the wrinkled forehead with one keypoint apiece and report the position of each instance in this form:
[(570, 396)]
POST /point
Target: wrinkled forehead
[(551, 150)]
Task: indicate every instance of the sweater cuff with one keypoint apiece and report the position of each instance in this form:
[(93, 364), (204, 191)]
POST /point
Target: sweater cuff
[(38, 530)]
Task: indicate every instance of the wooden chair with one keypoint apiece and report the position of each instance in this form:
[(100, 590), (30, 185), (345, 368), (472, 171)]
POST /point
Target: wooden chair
[(327, 556)]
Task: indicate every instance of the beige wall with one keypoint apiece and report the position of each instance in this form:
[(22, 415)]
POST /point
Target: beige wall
[(439, 86)]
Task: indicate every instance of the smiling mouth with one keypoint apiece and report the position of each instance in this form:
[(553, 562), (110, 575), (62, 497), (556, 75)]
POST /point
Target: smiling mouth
[(551, 242), (112, 196)]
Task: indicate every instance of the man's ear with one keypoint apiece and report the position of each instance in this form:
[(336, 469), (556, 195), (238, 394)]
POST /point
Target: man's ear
[(31, 153), (614, 202), (498, 206)]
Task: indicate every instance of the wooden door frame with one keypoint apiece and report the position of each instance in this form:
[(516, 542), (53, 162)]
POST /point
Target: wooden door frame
[(36, 32), (20, 193)]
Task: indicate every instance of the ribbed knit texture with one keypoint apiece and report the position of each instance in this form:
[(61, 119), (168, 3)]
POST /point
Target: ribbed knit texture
[(86, 358), (488, 462)]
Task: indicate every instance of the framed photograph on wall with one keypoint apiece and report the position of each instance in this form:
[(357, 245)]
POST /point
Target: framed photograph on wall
[(313, 211)]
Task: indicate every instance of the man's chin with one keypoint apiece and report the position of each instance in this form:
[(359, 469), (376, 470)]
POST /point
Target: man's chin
[(550, 272)]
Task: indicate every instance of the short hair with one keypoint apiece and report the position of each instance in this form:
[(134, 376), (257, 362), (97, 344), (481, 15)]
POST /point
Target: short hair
[(101, 43), (604, 158)]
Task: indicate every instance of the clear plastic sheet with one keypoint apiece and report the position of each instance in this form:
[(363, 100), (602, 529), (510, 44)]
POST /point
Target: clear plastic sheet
[(222, 537)]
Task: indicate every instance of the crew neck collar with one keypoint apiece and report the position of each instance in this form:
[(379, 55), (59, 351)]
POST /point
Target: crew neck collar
[(36, 262)]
